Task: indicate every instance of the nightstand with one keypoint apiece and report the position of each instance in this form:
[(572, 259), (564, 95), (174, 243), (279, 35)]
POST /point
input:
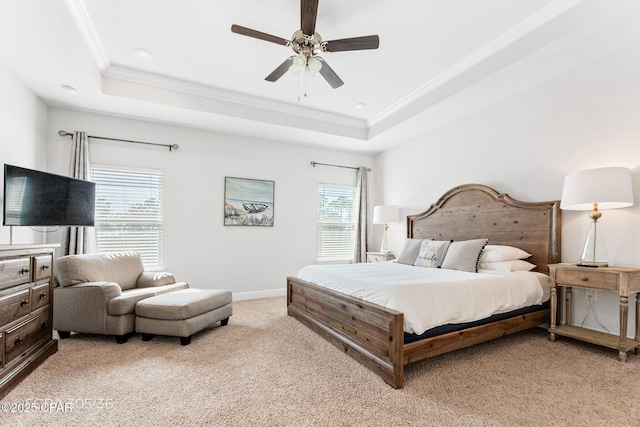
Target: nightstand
[(622, 280), (380, 256)]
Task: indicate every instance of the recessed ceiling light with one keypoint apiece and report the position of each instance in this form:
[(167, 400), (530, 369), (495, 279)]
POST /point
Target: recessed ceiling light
[(361, 105), (143, 53), (69, 89)]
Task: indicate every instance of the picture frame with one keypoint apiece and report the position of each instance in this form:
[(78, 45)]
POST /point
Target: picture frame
[(248, 202)]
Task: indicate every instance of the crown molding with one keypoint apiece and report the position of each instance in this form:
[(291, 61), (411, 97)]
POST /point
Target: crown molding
[(83, 21), (227, 96), (543, 16)]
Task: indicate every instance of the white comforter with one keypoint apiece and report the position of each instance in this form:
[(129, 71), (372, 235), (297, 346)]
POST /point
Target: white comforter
[(431, 297)]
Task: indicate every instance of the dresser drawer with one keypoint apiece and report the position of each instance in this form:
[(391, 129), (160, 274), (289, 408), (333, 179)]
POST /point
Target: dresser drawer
[(14, 305), (15, 272), (42, 267), (587, 279), (39, 295), (23, 336)]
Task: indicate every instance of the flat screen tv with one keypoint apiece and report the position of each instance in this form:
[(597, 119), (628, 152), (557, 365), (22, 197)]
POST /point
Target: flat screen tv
[(36, 198)]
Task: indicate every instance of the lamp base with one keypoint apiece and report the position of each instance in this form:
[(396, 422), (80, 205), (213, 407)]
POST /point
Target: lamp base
[(592, 265), (594, 253), (383, 246)]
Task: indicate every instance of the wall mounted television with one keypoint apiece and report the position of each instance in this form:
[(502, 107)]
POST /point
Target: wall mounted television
[(35, 198)]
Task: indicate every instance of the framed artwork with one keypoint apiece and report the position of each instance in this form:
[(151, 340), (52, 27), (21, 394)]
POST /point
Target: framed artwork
[(248, 202)]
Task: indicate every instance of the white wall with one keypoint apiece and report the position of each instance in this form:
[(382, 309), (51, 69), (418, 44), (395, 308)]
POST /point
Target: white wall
[(524, 146), (23, 119), (249, 261)]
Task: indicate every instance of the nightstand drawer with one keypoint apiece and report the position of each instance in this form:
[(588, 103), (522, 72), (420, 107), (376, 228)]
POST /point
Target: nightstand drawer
[(587, 279), (380, 256), (376, 258)]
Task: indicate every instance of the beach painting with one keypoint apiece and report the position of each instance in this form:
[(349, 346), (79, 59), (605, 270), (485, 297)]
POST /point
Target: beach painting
[(248, 202)]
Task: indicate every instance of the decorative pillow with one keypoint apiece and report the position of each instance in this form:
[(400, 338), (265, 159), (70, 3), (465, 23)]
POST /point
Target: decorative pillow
[(513, 265), (464, 255), (502, 253), (432, 253), (409, 252)]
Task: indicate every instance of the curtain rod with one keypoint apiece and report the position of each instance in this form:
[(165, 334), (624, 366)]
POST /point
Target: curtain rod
[(170, 146), (336, 166)]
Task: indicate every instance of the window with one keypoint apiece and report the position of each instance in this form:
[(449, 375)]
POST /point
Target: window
[(129, 211), (336, 222)]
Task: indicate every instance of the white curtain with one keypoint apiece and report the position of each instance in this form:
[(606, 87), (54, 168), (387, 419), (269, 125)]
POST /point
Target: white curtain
[(79, 240), (363, 231)]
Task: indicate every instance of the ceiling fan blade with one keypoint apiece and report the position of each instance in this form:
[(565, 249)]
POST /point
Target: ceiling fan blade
[(308, 14), (329, 75), (355, 43), (259, 35), (279, 72)]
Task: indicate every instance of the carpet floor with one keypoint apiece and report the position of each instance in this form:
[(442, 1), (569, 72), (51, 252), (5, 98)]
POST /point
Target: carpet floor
[(266, 369)]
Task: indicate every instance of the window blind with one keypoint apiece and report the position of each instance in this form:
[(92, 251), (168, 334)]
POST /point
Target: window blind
[(336, 222), (129, 211)]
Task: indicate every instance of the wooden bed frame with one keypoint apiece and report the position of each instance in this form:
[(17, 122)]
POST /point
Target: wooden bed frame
[(374, 336)]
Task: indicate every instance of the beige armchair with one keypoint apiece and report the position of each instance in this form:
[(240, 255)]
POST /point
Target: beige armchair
[(97, 293)]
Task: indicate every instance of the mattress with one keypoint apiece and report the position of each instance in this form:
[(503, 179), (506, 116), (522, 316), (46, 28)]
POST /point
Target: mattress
[(432, 297)]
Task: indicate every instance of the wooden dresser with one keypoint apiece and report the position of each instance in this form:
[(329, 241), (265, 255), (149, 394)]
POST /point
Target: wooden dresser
[(26, 311)]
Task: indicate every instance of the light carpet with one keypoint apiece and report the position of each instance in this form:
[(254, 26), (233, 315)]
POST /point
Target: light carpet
[(266, 369)]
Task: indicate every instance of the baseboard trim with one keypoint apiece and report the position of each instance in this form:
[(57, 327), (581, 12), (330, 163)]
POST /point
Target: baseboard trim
[(237, 296)]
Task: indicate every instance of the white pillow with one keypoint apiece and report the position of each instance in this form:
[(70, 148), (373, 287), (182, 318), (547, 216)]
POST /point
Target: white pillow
[(513, 265), (502, 253), (409, 252)]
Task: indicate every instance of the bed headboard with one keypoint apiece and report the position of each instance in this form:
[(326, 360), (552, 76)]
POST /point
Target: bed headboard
[(475, 211)]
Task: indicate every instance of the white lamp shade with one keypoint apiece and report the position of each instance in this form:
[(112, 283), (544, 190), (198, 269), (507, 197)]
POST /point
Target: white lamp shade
[(609, 187), (385, 214)]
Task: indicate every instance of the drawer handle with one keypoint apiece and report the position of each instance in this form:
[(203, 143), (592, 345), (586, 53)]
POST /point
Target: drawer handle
[(43, 295), (24, 271), (24, 303), (44, 325), (585, 279), (18, 341), (45, 266)]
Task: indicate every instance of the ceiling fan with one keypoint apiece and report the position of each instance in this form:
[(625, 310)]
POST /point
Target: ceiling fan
[(306, 43)]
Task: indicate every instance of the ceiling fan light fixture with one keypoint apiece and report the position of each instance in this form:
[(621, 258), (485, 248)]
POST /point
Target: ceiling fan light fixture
[(314, 65), (298, 64), (310, 66)]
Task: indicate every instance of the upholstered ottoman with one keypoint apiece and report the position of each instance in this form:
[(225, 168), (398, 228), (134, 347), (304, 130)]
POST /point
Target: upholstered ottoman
[(182, 313)]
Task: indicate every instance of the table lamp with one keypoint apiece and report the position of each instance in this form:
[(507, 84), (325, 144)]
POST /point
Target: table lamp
[(595, 189), (385, 215)]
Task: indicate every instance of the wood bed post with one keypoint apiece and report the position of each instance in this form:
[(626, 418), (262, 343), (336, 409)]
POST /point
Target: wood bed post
[(371, 334)]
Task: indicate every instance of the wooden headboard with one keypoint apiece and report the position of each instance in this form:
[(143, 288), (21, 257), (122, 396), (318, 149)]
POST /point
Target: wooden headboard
[(475, 211)]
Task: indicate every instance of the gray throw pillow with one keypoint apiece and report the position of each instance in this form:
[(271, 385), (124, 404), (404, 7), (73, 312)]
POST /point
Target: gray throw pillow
[(464, 255)]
